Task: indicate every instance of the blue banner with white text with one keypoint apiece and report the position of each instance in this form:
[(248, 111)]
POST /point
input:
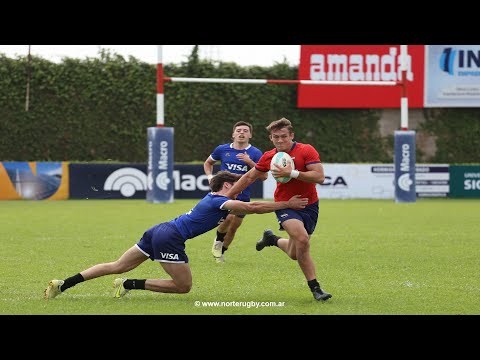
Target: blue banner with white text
[(160, 165), (405, 160)]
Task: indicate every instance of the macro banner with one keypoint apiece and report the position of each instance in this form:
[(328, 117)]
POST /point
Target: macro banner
[(129, 181), (464, 181), (34, 181), (405, 159), (160, 144), (452, 76), (108, 181), (359, 63)]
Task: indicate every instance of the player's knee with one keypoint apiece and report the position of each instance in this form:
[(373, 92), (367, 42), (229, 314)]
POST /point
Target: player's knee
[(303, 244), (292, 255), (184, 288)]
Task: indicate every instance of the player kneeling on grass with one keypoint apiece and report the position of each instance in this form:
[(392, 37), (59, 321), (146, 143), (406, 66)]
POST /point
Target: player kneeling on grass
[(165, 242)]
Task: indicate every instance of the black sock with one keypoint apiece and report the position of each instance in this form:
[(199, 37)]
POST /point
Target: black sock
[(224, 249), (312, 284), (220, 236), (275, 240), (136, 284), (72, 281)]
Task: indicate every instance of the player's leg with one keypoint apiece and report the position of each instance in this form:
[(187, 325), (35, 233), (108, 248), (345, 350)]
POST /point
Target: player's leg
[(180, 283), (235, 223), (225, 233), (298, 224), (297, 247), (128, 261), (222, 230)]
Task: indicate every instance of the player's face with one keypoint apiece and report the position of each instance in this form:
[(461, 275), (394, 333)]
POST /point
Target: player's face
[(282, 139), (242, 134)]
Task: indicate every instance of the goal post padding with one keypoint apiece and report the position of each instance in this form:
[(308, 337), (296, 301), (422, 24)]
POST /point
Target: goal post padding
[(160, 184)]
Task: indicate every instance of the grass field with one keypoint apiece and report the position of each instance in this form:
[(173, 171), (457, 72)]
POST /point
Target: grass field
[(374, 256)]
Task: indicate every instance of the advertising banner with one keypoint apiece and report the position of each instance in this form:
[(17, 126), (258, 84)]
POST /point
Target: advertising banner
[(432, 180), (34, 180), (359, 63), (108, 181), (405, 159), (373, 181), (345, 181), (452, 76), (465, 181), (129, 181), (160, 164)]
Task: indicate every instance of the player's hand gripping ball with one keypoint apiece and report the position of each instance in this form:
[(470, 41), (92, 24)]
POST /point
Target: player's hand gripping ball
[(282, 159)]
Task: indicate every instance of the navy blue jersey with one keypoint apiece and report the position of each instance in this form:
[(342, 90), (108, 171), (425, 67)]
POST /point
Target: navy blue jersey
[(227, 155), (205, 216)]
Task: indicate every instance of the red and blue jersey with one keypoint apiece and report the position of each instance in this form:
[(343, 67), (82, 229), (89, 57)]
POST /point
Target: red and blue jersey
[(302, 155)]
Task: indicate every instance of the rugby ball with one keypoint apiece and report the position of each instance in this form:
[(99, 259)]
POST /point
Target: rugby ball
[(281, 159)]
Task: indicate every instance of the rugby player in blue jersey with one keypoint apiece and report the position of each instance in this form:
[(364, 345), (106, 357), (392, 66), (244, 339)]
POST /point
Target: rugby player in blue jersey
[(165, 242), (237, 157)]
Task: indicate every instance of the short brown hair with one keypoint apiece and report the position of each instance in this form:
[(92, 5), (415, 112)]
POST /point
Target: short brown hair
[(222, 177), (243, 123), (280, 124)]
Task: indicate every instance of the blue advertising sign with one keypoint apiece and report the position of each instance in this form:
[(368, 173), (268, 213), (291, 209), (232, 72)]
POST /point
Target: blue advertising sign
[(160, 165), (129, 181), (452, 76), (108, 181), (405, 160)]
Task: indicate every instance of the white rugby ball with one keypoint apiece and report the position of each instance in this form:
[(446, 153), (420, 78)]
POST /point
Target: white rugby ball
[(282, 159)]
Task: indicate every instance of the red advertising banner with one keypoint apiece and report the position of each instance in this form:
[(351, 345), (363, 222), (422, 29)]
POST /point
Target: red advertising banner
[(359, 63)]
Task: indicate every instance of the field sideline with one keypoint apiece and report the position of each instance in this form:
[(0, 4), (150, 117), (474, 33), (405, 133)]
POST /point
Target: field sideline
[(374, 256)]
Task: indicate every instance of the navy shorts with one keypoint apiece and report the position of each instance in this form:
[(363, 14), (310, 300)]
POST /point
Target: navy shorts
[(163, 243), (308, 215)]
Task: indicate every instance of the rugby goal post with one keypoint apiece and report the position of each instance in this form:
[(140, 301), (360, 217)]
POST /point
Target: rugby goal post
[(160, 186)]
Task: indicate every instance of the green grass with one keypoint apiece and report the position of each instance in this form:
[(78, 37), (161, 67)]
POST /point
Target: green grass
[(374, 256)]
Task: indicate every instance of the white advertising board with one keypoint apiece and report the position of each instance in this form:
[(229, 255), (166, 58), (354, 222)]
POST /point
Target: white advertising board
[(372, 181)]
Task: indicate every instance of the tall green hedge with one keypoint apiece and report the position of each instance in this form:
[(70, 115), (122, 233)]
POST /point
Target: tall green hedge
[(98, 109), (457, 132)]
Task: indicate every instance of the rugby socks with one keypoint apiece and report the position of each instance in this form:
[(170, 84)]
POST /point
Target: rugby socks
[(134, 284), (220, 236), (275, 239), (71, 281), (312, 284)]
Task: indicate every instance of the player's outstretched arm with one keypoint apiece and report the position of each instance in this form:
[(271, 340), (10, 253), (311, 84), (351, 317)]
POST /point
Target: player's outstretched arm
[(247, 179), (261, 207)]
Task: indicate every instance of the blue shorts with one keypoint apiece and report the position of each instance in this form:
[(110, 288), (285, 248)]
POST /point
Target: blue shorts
[(308, 215), (163, 243)]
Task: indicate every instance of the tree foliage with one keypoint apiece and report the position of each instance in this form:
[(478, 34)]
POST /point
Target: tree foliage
[(99, 109)]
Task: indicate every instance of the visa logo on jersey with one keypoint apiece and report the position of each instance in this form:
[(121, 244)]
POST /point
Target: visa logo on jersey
[(460, 62), (237, 167)]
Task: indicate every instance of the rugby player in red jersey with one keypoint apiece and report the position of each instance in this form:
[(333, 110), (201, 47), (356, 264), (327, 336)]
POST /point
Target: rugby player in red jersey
[(299, 224)]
